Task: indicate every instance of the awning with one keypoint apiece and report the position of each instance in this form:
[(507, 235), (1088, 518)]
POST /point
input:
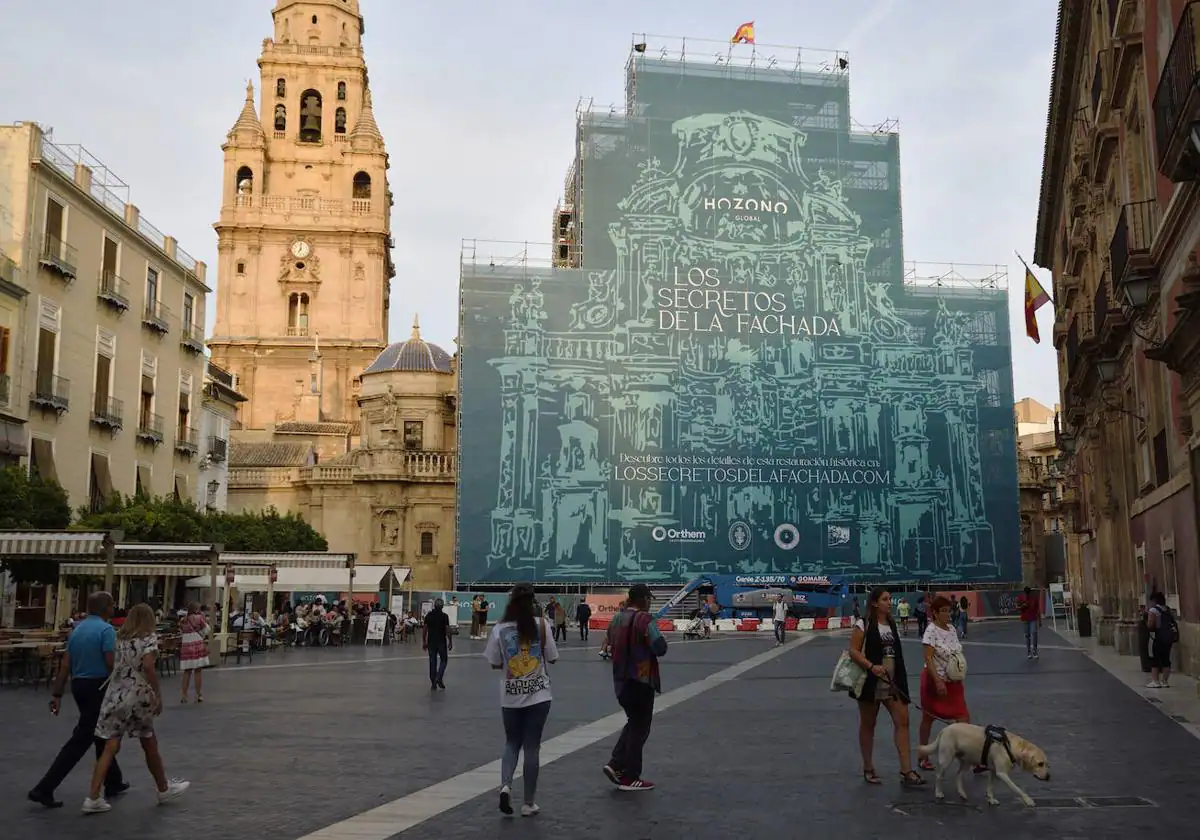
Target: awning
[(102, 476), (143, 570), (366, 579), (12, 439), (43, 460), (51, 544)]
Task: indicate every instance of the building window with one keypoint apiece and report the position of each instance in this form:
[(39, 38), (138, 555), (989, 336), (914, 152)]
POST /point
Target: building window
[(1162, 466), (281, 88), (426, 543), (298, 314), (55, 228), (152, 290), (47, 362), (341, 91), (106, 345), (310, 117), (241, 268), (362, 185), (41, 460), (100, 487), (189, 312), (146, 403), (143, 484), (5, 383), (182, 427), (414, 433), (339, 121)]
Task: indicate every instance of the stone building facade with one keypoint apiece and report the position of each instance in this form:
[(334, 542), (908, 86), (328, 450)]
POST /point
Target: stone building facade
[(1119, 225)]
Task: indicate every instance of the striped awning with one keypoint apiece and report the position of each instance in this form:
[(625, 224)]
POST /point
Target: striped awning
[(287, 559), (140, 570), (292, 579), (52, 544)]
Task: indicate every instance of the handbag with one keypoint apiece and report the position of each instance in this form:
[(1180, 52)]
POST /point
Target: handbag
[(848, 675), (956, 666)]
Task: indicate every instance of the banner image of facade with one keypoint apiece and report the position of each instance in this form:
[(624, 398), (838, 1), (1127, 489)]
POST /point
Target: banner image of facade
[(729, 368)]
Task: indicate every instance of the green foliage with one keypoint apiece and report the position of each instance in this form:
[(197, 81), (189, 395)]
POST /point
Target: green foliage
[(29, 502), (167, 520)]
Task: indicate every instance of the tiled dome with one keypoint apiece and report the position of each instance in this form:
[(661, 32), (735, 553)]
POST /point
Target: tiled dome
[(416, 355)]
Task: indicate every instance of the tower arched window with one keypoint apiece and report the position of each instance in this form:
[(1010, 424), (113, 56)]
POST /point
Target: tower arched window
[(339, 121), (298, 313), (362, 185), (244, 182), (281, 117), (281, 88), (310, 116), (341, 91)]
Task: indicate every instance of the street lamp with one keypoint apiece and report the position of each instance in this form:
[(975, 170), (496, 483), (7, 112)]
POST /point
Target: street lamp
[(1137, 291), (1109, 370), (1067, 444)]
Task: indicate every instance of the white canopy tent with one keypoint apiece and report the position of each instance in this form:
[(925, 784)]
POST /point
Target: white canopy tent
[(366, 579)]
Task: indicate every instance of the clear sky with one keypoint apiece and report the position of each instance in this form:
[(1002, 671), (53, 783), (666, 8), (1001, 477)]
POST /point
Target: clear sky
[(477, 100)]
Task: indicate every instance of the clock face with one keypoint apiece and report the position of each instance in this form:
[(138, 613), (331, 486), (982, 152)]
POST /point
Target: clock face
[(300, 249)]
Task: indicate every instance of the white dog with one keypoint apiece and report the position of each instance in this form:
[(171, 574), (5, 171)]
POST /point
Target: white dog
[(966, 742)]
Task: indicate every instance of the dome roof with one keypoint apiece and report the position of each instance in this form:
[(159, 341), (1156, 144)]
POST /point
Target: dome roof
[(415, 355)]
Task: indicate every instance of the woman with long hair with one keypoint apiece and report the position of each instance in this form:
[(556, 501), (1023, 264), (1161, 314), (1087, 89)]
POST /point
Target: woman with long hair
[(875, 647), (522, 644), (193, 650), (941, 697), (133, 700)]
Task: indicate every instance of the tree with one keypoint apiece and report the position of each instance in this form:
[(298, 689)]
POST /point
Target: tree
[(168, 520), (29, 502)]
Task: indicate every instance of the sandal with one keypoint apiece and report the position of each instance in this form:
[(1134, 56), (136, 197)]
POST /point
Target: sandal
[(911, 779), (871, 777)]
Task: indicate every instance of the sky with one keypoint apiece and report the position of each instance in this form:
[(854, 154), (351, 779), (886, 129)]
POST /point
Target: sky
[(477, 101)]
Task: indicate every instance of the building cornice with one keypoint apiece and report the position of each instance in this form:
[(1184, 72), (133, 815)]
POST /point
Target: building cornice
[(1064, 75)]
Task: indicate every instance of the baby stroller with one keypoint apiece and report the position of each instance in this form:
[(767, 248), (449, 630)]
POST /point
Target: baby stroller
[(694, 628)]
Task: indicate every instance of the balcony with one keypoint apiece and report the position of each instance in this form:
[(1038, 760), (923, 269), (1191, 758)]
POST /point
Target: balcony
[(297, 332), (108, 413), (156, 317), (1133, 238), (111, 292), (52, 392), (221, 376), (1127, 47), (1080, 342), (192, 338), (5, 389), (1109, 317), (218, 449), (58, 257), (1126, 22), (187, 441), (1177, 102), (150, 429)]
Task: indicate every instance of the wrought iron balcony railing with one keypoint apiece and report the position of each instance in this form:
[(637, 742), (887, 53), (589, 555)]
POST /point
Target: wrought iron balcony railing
[(108, 413), (1133, 238), (218, 449), (58, 257), (111, 290), (150, 428), (51, 392), (1177, 101), (187, 440), (156, 317), (192, 337)]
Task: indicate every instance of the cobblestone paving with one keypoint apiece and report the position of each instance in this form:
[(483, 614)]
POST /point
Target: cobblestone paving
[(302, 740)]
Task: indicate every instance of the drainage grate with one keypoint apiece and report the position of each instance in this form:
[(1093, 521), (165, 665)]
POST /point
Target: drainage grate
[(1118, 802)]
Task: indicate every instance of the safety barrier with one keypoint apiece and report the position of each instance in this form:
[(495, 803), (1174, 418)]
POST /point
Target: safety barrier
[(742, 625)]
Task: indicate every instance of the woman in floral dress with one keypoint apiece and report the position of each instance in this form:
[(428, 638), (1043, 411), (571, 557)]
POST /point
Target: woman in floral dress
[(133, 700), (193, 651)]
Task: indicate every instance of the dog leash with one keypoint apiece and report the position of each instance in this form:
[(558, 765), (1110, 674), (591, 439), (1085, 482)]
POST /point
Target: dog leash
[(904, 696)]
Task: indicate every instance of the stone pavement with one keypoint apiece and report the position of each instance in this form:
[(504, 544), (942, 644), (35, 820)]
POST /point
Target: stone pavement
[(754, 745)]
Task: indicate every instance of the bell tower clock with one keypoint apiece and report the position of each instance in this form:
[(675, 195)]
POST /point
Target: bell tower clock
[(305, 196)]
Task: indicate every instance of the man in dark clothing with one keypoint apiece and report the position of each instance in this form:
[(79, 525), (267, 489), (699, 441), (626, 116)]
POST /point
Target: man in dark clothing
[(88, 661), (583, 614), (436, 639), (636, 644)]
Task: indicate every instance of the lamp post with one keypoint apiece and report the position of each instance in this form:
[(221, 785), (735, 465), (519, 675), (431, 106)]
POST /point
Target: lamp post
[(1109, 370)]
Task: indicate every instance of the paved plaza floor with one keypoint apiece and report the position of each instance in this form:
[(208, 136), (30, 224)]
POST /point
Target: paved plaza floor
[(748, 742)]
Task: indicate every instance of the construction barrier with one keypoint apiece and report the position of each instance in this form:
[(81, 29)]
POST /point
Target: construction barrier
[(743, 625)]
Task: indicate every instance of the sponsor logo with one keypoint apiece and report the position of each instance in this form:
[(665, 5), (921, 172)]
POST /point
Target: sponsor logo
[(839, 535), (739, 535), (660, 534), (766, 204), (787, 536)]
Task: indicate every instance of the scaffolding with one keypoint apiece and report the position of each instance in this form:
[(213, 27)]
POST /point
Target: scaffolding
[(699, 55), (506, 257), (955, 278)]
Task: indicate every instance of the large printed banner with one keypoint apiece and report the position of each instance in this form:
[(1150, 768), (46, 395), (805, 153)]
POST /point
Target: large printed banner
[(739, 380)]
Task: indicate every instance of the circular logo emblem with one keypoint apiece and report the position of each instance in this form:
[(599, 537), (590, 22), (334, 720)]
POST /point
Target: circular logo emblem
[(739, 535), (787, 536), (659, 533)]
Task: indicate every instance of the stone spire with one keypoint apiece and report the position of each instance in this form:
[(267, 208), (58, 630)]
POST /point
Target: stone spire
[(366, 134), (416, 330), (247, 121)]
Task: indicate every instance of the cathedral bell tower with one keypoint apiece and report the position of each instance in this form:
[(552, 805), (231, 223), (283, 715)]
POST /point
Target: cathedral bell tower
[(304, 269)]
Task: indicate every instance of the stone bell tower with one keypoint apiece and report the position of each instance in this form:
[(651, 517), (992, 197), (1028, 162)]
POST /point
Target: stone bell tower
[(305, 268)]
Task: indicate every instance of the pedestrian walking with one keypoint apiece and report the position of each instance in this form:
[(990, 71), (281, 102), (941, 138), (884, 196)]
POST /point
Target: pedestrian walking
[(560, 623), (522, 646), (436, 640), (478, 617), (132, 702), (635, 644), (780, 609), (193, 651), (1164, 633), (905, 611), (1031, 620), (88, 661), (964, 615), (875, 647), (942, 698), (922, 611), (583, 614)]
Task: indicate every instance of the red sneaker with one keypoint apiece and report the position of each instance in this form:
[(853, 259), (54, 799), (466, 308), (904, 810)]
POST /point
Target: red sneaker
[(637, 784)]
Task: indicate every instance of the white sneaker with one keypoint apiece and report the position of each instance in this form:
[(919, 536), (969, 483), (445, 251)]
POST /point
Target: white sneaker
[(1154, 684), (175, 789), (529, 810), (99, 805)]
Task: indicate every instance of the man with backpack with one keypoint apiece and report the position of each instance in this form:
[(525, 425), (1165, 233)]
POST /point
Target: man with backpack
[(1164, 633)]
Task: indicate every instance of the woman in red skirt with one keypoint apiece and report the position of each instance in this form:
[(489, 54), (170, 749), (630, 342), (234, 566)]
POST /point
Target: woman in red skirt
[(941, 698)]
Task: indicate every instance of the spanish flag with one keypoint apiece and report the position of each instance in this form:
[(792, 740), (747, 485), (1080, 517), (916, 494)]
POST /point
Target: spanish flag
[(1035, 299), (744, 34)]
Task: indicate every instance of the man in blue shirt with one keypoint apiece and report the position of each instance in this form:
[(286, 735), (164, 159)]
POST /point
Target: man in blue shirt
[(88, 660)]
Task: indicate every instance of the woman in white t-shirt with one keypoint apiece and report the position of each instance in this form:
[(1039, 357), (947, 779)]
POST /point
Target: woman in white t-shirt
[(521, 645), (941, 698)]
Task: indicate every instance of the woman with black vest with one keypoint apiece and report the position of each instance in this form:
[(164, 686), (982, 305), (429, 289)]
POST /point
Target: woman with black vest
[(875, 647)]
